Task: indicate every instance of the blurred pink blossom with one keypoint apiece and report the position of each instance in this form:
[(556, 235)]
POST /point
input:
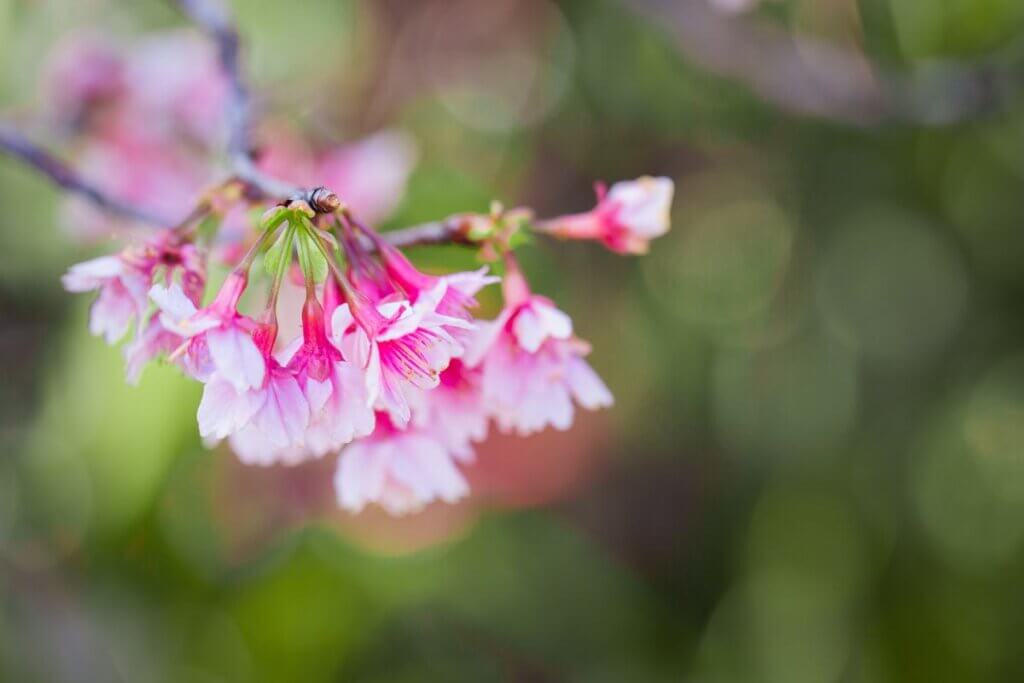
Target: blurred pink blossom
[(400, 470), (627, 217), (532, 365)]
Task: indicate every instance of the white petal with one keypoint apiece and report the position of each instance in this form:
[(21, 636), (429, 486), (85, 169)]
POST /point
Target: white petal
[(557, 324), (88, 275), (236, 357), (590, 391), (223, 410), (172, 301), (646, 204), (529, 329)]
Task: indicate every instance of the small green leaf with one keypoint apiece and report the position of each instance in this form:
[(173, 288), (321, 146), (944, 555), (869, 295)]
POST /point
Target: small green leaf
[(314, 265), (521, 237), (267, 218), (281, 249)]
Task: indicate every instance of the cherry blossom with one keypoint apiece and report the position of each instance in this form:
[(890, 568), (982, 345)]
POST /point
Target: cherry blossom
[(627, 217), (400, 470), (532, 365), (402, 347), (220, 339)]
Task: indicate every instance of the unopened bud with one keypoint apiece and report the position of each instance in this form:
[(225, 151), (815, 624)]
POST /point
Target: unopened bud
[(324, 201)]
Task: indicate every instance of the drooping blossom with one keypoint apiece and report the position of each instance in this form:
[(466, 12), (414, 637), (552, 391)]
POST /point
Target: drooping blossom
[(627, 216), (402, 347), (454, 411), (153, 341), (124, 279), (401, 470), (273, 432), (532, 365), (122, 294), (334, 388), (220, 339), (460, 289)]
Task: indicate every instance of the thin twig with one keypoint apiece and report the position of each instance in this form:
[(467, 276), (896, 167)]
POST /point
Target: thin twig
[(62, 175), (214, 18), (811, 77)]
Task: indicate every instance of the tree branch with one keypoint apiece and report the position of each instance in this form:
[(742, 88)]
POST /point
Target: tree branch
[(213, 18), (808, 76), (63, 176)]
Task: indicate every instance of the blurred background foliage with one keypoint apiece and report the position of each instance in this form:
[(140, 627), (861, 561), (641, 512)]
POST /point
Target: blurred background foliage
[(815, 467)]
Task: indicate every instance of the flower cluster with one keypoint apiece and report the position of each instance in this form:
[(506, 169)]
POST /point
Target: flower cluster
[(391, 368)]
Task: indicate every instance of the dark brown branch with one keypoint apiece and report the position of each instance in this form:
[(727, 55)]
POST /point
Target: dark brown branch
[(807, 76), (62, 175)]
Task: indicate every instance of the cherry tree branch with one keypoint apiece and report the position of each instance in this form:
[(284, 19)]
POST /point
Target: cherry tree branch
[(60, 174), (213, 18)]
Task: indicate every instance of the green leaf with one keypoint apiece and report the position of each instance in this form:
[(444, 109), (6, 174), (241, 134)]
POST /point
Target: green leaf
[(521, 237), (281, 249), (314, 265), (268, 218)]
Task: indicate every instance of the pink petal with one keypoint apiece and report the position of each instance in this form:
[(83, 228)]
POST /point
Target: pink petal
[(112, 312), (360, 476), (224, 410), (236, 357), (88, 275), (644, 204), (529, 329), (590, 391), (284, 415), (173, 304)]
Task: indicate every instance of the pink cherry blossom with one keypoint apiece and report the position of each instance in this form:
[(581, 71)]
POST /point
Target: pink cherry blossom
[(532, 365), (175, 83), (626, 219), (454, 411), (334, 388), (401, 347), (123, 280), (400, 470), (83, 71), (277, 425), (460, 289), (152, 342), (220, 338), (132, 164), (122, 294)]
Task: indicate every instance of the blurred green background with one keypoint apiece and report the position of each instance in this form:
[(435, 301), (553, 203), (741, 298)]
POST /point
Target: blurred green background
[(814, 471)]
